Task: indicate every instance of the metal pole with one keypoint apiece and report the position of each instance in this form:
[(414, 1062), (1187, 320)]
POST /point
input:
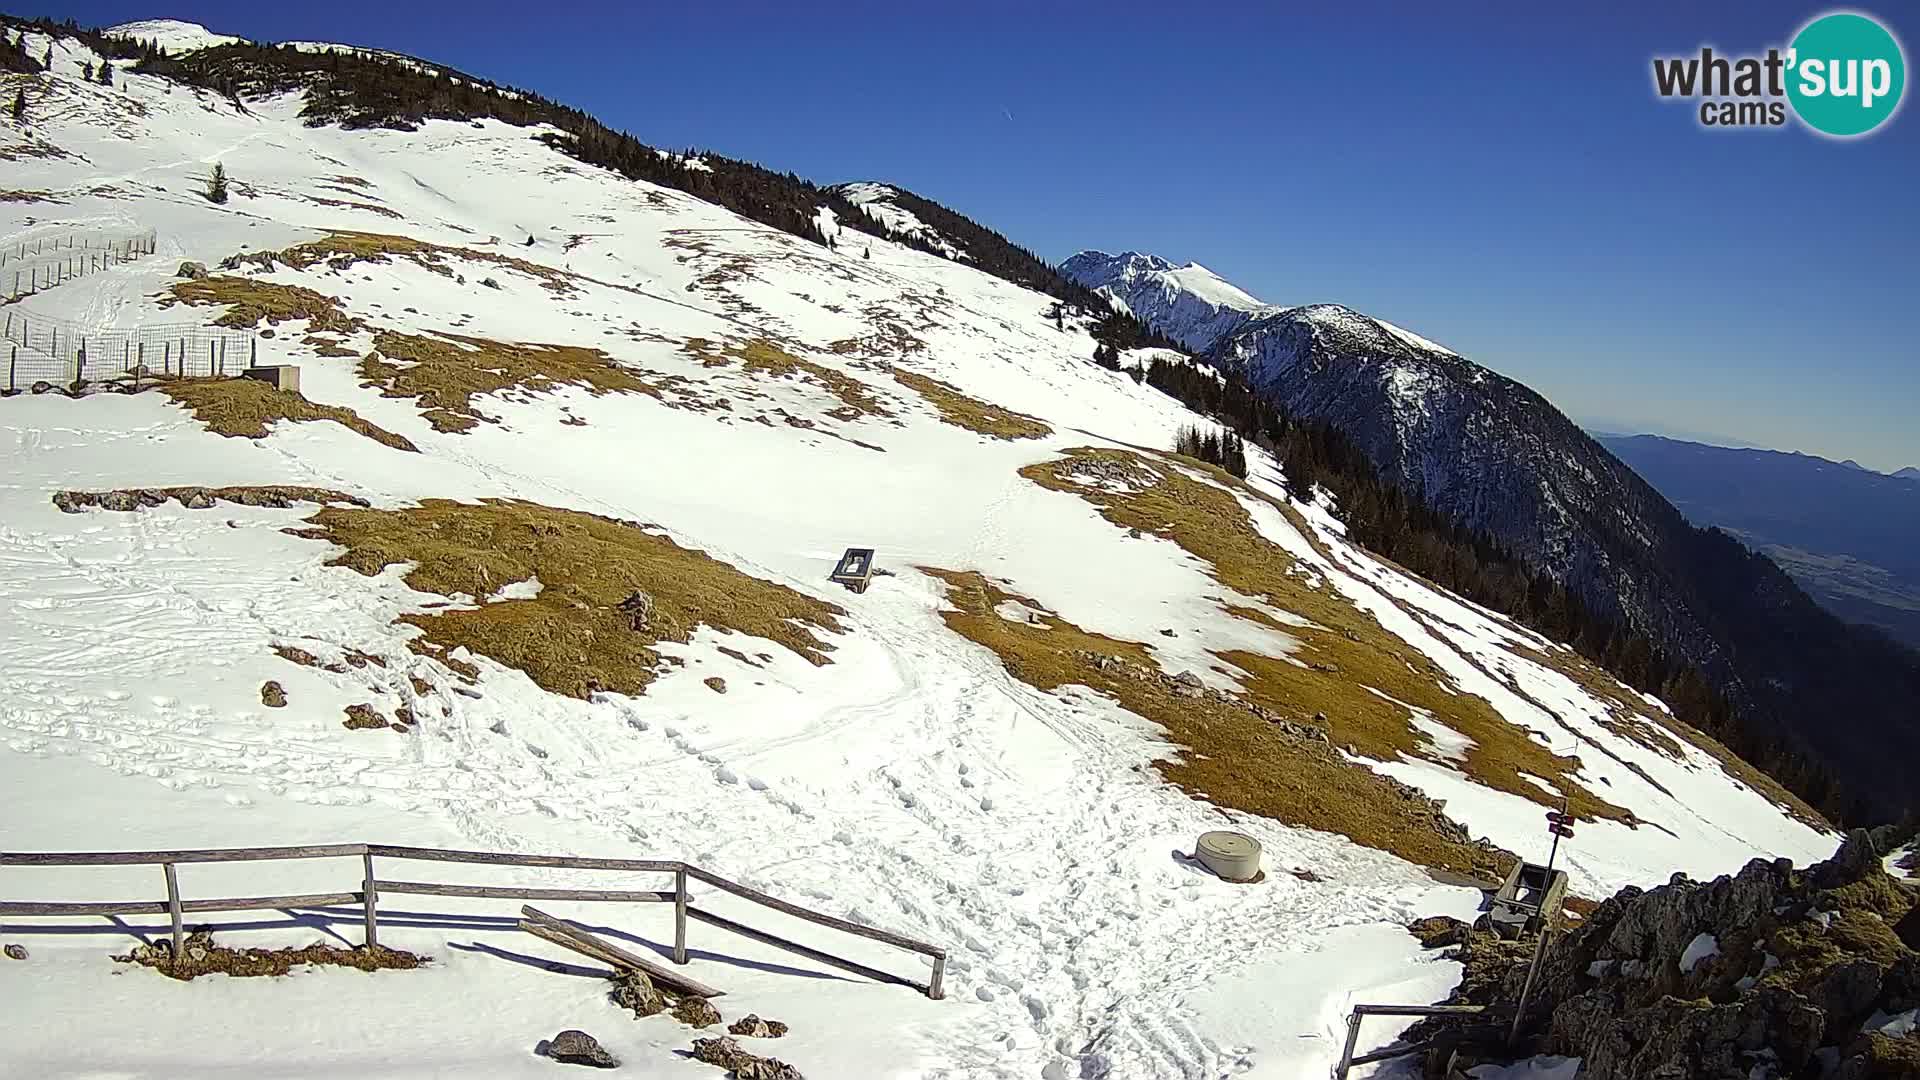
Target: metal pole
[(173, 912), (1353, 1041)]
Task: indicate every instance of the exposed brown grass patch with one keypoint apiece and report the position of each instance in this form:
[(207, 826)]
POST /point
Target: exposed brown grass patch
[(27, 196), (341, 250), (202, 956), (762, 357), (971, 413), (250, 301), (353, 204), (245, 408), (1347, 666), (445, 374), (583, 632), (1235, 757)]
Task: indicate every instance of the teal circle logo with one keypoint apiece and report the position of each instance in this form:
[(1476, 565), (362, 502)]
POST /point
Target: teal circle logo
[(1846, 74)]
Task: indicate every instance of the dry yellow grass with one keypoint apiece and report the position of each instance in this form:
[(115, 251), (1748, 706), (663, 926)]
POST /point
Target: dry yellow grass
[(576, 636), (971, 413), (251, 301), (341, 250), (445, 374), (1234, 757), (762, 357), (245, 408), (1348, 666), (27, 196)]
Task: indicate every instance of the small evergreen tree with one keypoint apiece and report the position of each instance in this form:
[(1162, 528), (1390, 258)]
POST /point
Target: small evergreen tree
[(46, 59), (106, 73), (869, 253), (87, 70), (217, 184), (19, 106)]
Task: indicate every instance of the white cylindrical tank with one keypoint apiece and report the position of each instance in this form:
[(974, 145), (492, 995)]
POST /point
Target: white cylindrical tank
[(1233, 856)]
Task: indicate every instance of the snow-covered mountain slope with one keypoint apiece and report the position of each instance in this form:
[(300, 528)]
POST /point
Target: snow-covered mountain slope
[(1085, 651), (882, 204), (173, 35), (1499, 458), (1190, 304)]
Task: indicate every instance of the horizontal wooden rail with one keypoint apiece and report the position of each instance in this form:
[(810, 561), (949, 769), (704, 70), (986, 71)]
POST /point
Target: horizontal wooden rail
[(1348, 1060), (568, 862), (200, 855), (368, 895), (508, 892), (160, 907), (798, 912), (829, 959)]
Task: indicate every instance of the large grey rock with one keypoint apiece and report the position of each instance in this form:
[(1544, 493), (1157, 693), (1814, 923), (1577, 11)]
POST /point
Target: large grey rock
[(579, 1048), (192, 270)]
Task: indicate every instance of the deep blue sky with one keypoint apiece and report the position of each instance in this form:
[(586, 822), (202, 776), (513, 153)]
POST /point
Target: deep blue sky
[(1504, 183)]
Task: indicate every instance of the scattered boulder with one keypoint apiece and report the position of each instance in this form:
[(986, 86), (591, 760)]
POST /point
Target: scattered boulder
[(696, 1012), (579, 1048), (363, 718), (716, 684), (19, 952), (192, 270), (727, 1054), (634, 991), (1439, 931), (273, 695), (639, 608), (751, 1025)]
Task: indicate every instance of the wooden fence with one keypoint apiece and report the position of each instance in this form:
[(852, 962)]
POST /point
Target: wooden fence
[(1361, 1012), (372, 886)]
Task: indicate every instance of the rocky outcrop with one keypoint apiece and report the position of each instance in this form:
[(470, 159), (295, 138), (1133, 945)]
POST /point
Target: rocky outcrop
[(752, 1026), (278, 496), (728, 1055), (1769, 973)]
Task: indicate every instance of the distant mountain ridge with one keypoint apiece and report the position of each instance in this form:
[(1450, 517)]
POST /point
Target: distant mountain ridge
[(1499, 458), (1849, 535)]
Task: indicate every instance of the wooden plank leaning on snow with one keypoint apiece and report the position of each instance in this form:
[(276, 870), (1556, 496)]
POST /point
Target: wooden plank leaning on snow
[(566, 935)]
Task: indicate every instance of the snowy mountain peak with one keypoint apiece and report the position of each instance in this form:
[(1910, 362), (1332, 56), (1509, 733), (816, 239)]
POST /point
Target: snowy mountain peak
[(882, 203), (176, 36)]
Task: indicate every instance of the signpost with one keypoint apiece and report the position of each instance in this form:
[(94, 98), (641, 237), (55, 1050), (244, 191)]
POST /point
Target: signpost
[(1559, 824)]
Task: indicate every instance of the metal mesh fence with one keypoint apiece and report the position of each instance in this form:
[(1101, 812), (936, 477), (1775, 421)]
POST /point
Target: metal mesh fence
[(30, 266), (35, 349)]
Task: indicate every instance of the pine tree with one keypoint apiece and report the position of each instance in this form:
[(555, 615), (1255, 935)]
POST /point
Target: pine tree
[(19, 106), (217, 184), (87, 70), (106, 73), (46, 59)]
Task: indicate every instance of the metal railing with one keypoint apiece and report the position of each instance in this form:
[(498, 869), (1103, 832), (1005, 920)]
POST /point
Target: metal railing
[(175, 907), (1361, 1012)]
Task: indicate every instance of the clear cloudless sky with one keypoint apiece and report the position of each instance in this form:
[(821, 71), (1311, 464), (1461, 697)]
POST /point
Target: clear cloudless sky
[(1500, 178)]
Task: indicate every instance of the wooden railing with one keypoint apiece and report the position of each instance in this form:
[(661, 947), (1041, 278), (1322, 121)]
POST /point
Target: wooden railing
[(371, 886)]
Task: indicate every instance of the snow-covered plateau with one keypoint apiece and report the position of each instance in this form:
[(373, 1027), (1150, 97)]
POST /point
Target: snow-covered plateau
[(629, 359)]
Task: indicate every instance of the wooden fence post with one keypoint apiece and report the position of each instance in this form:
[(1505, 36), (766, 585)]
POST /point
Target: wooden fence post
[(680, 915), (173, 912), (936, 986), (12, 361), (369, 897)]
